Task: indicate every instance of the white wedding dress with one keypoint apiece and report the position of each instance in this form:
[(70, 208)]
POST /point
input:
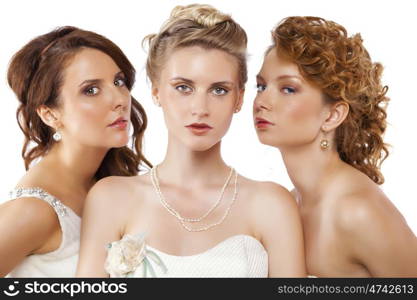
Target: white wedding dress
[(237, 256), (61, 262)]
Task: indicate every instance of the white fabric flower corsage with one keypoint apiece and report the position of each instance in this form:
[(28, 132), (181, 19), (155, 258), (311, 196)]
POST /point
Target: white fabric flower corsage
[(125, 256)]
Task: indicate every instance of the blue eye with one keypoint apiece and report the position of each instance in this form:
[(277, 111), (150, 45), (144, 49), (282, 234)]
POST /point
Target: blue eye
[(119, 82), (219, 91), (260, 87), (183, 89), (288, 90), (91, 91)]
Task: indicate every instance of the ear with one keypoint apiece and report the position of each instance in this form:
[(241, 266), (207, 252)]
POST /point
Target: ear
[(49, 116), (239, 102), (155, 95), (336, 115)]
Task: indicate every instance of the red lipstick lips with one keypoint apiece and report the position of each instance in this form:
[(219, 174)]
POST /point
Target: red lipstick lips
[(199, 128), (120, 123), (262, 123)]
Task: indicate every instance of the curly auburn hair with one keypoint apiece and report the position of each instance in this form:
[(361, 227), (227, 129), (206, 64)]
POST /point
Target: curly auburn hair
[(35, 75), (342, 68)]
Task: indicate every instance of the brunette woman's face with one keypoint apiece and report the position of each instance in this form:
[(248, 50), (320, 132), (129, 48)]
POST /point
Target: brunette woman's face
[(288, 110), (95, 102), (198, 90)]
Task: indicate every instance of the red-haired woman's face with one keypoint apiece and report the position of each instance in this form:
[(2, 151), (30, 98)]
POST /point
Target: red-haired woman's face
[(94, 102), (288, 110)]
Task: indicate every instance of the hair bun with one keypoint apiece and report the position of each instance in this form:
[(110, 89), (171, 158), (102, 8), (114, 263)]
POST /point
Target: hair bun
[(204, 15), (196, 25)]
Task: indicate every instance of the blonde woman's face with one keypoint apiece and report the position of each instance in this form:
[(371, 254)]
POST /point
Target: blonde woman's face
[(95, 108), (198, 90), (288, 111)]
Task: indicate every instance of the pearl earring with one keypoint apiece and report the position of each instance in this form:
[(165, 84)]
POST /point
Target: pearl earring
[(57, 136), (324, 144)]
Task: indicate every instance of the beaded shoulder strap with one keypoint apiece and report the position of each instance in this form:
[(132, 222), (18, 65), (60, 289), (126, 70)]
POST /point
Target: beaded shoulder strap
[(40, 194)]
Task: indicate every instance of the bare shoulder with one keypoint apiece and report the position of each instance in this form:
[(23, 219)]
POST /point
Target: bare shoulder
[(117, 190), (274, 218), (117, 198), (267, 192), (111, 204), (269, 198), (29, 215), (363, 207)]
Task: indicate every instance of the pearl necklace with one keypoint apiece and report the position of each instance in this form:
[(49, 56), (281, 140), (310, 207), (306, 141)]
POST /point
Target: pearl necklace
[(172, 211)]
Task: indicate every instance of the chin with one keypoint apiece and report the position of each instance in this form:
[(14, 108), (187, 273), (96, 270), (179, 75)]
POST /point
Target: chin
[(200, 145), (119, 142), (266, 139)]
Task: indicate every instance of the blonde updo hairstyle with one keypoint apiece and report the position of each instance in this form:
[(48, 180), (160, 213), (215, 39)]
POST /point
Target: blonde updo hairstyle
[(196, 25), (341, 67)]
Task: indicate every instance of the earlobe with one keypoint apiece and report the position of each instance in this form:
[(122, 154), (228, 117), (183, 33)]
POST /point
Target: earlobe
[(337, 114), (155, 96), (240, 100)]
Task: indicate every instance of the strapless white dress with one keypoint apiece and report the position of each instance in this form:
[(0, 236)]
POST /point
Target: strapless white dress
[(237, 256), (61, 262)]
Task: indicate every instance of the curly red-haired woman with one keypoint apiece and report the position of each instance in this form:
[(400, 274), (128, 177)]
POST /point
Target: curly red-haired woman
[(321, 102)]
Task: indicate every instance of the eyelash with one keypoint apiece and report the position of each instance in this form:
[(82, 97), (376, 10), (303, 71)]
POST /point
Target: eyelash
[(88, 90), (223, 93), (122, 80), (259, 86), (290, 89), (182, 88)]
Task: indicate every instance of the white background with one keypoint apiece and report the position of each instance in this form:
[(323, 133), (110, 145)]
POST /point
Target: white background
[(386, 27)]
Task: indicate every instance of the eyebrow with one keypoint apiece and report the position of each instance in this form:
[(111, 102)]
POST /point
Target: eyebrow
[(189, 81), (289, 77), (260, 77), (182, 79), (282, 77), (95, 81)]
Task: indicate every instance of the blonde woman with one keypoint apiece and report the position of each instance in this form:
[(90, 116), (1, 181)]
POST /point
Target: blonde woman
[(193, 215), (321, 102)]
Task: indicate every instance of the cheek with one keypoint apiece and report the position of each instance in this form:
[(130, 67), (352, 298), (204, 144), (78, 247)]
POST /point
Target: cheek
[(298, 120), (92, 111), (173, 106), (85, 117), (222, 114), (301, 111)]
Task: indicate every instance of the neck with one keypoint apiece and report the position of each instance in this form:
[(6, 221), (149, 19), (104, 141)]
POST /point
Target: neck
[(184, 167), (75, 165), (310, 168)]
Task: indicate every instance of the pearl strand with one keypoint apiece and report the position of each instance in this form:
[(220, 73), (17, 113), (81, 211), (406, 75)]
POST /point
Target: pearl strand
[(174, 212), (182, 220), (207, 227)]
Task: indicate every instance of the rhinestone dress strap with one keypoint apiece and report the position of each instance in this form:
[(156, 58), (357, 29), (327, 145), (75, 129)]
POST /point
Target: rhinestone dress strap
[(41, 194)]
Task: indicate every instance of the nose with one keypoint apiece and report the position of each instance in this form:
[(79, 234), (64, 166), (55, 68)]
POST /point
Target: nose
[(199, 105), (120, 99), (261, 103)]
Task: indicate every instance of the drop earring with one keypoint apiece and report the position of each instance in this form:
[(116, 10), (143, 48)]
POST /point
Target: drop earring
[(324, 144), (156, 101), (57, 136)]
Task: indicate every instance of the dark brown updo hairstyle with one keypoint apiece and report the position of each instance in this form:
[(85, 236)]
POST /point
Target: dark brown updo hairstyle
[(341, 67), (36, 76)]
